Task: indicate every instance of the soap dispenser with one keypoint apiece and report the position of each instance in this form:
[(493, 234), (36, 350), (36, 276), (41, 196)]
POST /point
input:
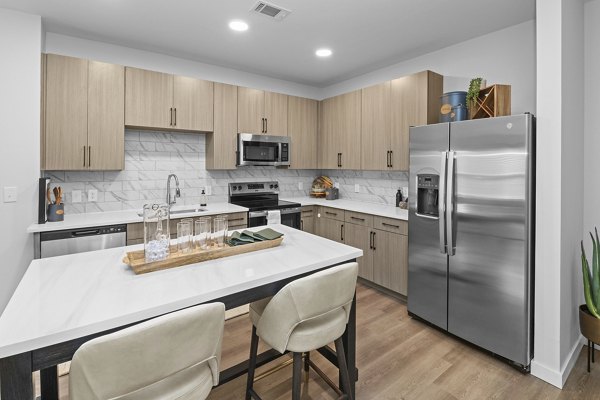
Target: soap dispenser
[(203, 198)]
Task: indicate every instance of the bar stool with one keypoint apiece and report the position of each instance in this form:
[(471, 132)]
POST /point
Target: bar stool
[(174, 356), (303, 316)]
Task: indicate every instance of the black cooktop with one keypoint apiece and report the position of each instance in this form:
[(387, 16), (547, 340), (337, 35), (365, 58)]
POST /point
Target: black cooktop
[(258, 196)]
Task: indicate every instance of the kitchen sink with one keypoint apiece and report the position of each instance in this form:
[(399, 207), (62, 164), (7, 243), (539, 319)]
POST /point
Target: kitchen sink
[(182, 211)]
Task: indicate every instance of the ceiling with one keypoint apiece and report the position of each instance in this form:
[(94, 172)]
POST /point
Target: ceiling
[(364, 35)]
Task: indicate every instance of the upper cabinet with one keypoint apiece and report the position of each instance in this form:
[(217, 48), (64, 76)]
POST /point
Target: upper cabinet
[(165, 101), (221, 144), (302, 130), (83, 121), (389, 110), (339, 132), (262, 112), (415, 100)]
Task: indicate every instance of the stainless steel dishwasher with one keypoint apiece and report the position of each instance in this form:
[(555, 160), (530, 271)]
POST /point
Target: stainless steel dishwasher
[(72, 241)]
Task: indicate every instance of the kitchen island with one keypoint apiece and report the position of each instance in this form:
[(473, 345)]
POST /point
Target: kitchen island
[(62, 302)]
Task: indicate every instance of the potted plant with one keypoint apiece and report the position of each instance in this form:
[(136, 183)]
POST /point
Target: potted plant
[(589, 313), (473, 95)]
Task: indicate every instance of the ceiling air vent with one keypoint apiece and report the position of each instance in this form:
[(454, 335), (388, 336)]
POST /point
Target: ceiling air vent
[(270, 10)]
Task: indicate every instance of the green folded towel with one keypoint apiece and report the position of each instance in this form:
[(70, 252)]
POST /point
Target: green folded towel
[(268, 234), (247, 237)]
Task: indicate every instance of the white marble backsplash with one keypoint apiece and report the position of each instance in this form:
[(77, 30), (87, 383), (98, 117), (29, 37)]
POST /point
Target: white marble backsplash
[(150, 156)]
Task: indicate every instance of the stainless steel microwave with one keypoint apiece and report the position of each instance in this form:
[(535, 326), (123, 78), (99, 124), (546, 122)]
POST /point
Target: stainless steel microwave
[(263, 150)]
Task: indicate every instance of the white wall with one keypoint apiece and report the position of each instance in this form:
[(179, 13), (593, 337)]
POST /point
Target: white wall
[(20, 45), (75, 47), (506, 56), (559, 184)]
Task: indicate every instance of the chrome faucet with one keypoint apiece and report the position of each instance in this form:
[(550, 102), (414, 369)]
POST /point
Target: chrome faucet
[(177, 191)]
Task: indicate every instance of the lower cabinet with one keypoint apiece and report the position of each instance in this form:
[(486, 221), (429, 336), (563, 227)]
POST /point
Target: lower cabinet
[(307, 219), (384, 242)]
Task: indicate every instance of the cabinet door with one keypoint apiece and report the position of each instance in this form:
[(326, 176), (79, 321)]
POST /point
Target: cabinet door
[(276, 114), (148, 98), (302, 129), (221, 144), (251, 110), (106, 116), (414, 101), (359, 236), (307, 223), (375, 127), (66, 113), (347, 126), (329, 147), (193, 103), (330, 229), (390, 261)]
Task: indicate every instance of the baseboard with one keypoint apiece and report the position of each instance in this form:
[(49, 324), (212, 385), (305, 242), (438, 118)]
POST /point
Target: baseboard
[(554, 377)]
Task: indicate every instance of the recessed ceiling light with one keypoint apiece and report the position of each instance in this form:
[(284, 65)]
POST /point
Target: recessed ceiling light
[(323, 52), (238, 25)]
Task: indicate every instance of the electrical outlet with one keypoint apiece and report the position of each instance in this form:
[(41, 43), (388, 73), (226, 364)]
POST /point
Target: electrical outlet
[(76, 196), (10, 194), (92, 195), (208, 190), (300, 185), (356, 188), (336, 185)]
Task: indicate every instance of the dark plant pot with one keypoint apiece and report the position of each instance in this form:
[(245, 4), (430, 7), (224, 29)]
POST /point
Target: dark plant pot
[(56, 212), (589, 325)]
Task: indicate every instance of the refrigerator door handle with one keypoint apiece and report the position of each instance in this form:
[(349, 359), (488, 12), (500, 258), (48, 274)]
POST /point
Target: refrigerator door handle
[(450, 206), (442, 204)]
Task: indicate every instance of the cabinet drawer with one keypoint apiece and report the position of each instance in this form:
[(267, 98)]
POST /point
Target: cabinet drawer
[(331, 213), (307, 211), (391, 225), (237, 219), (135, 232), (359, 218)]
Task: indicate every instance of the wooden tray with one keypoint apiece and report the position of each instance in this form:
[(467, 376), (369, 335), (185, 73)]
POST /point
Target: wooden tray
[(137, 261)]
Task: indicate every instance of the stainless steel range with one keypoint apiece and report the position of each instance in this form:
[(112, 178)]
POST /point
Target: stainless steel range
[(260, 198)]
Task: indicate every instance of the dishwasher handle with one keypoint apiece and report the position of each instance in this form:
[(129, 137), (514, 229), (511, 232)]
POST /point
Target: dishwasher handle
[(88, 232)]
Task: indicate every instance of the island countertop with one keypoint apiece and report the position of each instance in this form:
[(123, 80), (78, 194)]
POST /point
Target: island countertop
[(67, 297)]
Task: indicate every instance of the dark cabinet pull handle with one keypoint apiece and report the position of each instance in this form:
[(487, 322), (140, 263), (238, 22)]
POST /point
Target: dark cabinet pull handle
[(330, 213), (171, 116), (84, 156), (236, 219), (341, 163), (301, 224), (393, 226), (342, 231), (387, 154), (175, 118), (89, 156), (374, 235), (371, 240), (391, 159), (266, 125), (356, 218)]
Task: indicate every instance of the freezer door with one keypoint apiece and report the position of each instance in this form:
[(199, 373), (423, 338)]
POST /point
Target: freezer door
[(489, 273), (427, 259)]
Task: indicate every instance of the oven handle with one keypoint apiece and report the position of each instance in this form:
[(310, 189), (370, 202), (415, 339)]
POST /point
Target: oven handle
[(285, 211)]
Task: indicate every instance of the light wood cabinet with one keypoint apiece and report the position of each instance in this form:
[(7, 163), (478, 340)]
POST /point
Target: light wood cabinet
[(390, 260), (359, 236), (330, 228), (302, 130), (262, 112), (307, 219), (83, 115), (164, 101), (415, 100), (221, 144), (376, 127), (339, 135)]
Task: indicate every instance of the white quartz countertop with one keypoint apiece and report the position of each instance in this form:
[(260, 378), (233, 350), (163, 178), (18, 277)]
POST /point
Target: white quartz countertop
[(381, 210), (76, 221), (67, 297)]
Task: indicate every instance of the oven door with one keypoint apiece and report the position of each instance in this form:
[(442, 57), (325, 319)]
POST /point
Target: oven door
[(262, 150), (289, 217)]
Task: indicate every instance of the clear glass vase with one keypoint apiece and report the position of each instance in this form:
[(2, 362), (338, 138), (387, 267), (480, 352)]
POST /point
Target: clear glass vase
[(156, 232)]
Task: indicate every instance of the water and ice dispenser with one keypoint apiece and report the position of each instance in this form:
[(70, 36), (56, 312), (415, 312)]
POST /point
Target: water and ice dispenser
[(428, 195)]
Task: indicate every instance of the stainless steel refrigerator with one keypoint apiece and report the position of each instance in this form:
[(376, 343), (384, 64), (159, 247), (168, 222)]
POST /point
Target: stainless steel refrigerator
[(471, 231)]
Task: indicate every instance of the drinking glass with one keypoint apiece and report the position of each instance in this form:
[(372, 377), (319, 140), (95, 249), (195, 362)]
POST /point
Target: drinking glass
[(202, 233), (184, 236), (219, 230)]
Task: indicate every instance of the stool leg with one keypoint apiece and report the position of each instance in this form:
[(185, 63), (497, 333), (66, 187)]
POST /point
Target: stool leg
[(593, 351), (252, 363), (306, 366), (297, 377), (339, 349)]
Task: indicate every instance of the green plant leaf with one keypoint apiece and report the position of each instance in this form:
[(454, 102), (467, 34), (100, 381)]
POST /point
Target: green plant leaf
[(585, 269), (595, 271)]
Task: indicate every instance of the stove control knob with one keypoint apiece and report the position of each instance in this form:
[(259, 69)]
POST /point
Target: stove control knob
[(234, 188), (271, 186), (240, 187), (276, 186)]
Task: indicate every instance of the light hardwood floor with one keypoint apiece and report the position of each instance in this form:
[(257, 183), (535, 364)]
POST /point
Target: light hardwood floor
[(401, 358)]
